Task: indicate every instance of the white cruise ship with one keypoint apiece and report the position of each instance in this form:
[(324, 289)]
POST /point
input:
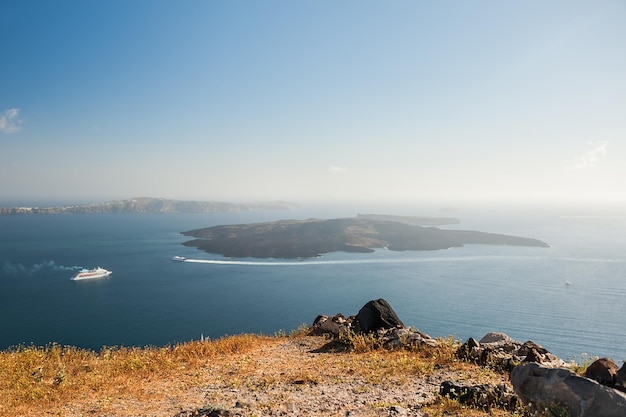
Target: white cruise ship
[(91, 273)]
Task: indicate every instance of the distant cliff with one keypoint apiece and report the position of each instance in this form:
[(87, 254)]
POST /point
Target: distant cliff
[(313, 237), (416, 220), (149, 205)]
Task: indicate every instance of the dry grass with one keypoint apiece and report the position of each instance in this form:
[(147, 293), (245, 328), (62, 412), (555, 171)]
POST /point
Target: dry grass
[(41, 378), (444, 407), (66, 381)]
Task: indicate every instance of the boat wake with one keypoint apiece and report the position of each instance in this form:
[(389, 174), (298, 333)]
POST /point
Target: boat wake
[(317, 261), (15, 269), (263, 263), (378, 260)]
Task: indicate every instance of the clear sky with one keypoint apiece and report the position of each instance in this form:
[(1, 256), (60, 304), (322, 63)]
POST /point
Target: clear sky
[(440, 101)]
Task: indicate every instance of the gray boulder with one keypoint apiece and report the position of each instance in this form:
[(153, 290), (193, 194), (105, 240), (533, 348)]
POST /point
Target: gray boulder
[(553, 388), (497, 339), (403, 337), (377, 314)]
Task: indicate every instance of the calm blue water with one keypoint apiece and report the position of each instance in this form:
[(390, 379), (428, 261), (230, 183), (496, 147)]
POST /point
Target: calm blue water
[(150, 300)]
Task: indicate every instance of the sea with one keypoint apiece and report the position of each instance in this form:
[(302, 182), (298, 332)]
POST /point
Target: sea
[(569, 298)]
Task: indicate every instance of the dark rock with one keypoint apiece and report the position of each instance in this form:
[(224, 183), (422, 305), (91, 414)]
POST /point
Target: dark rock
[(240, 404), (377, 314), (553, 388), (467, 349), (398, 411), (456, 392), (533, 352), (533, 349), (335, 325), (620, 378), (471, 343), (319, 318), (500, 352), (603, 371), (204, 412), (482, 396)]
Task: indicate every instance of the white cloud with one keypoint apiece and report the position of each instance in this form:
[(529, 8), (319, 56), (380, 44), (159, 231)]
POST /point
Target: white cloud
[(593, 156), (9, 121), (336, 168)]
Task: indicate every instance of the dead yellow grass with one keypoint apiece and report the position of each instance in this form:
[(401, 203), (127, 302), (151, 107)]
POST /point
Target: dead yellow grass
[(445, 407), (151, 381), (40, 378)]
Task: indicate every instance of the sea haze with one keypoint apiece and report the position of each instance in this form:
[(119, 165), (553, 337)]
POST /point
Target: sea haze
[(567, 298)]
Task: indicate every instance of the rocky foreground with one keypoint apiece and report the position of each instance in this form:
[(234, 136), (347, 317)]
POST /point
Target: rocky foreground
[(365, 365), (540, 380), (533, 381)]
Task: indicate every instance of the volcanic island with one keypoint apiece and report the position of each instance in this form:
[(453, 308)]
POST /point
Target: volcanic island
[(309, 238)]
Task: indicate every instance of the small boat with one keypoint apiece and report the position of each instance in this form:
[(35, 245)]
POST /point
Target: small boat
[(179, 258), (91, 274)]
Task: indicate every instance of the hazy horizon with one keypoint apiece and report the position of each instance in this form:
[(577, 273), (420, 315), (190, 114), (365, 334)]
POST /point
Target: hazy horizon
[(495, 103)]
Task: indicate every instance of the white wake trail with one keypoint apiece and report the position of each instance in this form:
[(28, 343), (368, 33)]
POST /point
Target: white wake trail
[(343, 261), (261, 263), (439, 259), (15, 269)]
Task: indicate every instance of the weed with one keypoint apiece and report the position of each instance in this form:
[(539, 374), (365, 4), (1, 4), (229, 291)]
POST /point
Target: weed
[(447, 407), (361, 342), (585, 361), (303, 329), (280, 333), (556, 411)]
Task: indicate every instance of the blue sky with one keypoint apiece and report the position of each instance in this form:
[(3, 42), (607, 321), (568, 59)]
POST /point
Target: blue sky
[(445, 102)]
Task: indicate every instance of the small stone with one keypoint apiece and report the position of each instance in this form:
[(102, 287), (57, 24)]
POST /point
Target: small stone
[(291, 407), (395, 410)]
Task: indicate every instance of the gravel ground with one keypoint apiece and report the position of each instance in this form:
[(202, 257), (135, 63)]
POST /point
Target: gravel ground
[(291, 376), (333, 393)]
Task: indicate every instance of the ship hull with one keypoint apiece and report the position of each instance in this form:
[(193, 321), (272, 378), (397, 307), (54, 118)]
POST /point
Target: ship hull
[(91, 274)]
